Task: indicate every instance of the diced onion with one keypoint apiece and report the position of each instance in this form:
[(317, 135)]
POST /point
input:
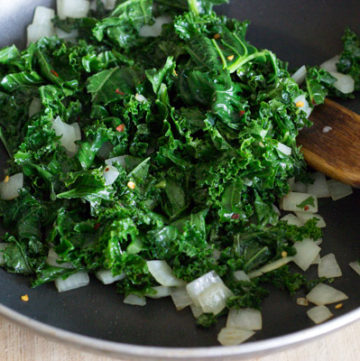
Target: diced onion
[(69, 135), (180, 298), (284, 149), (355, 266), (163, 274), (320, 187), (323, 294), (43, 15), (52, 260), (155, 29), (140, 98), (233, 336), (318, 241), (305, 107), (2, 249), (110, 174), (77, 130), (304, 217), (36, 32), (34, 107), (338, 190), (319, 314), (209, 292), (76, 280), (299, 75), (241, 276), (120, 160), (317, 259), (161, 291), (270, 267), (68, 36), (292, 201), (106, 276), (344, 82), (72, 8), (299, 187), (245, 318), (330, 65), (109, 4), (292, 220), (328, 267), (9, 188), (306, 252), (135, 300), (196, 311), (302, 301)]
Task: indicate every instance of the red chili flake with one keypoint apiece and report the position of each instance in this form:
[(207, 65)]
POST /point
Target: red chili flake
[(306, 208), (235, 216), (107, 169), (242, 112), (118, 91), (54, 73), (120, 128), (96, 226)]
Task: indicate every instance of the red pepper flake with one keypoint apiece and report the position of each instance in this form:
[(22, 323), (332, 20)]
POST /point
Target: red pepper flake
[(107, 169), (96, 226), (242, 112), (120, 128), (306, 208), (53, 72), (118, 91), (235, 216)]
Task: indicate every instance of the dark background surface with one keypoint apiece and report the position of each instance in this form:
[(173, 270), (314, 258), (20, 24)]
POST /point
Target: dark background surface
[(300, 32)]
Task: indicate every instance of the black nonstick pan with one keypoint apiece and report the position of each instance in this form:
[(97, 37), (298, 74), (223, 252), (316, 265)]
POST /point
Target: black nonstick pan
[(94, 317)]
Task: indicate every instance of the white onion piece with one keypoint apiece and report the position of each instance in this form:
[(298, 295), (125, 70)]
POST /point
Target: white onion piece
[(284, 149), (304, 217), (155, 29), (319, 314), (245, 318), (292, 201), (276, 209), (9, 188), (270, 267), (76, 280), (107, 278), (302, 301), (135, 300), (318, 241), (344, 82), (77, 130), (317, 259), (72, 8), (163, 274), (43, 15), (2, 249), (109, 4), (328, 267), (161, 291), (110, 174), (292, 220), (34, 107), (306, 252), (302, 104), (330, 65), (355, 266), (338, 190), (180, 298), (233, 336), (323, 294), (68, 135), (140, 98), (196, 311), (299, 187), (36, 32), (52, 259), (291, 182), (299, 75), (72, 35), (241, 276), (120, 160), (320, 187)]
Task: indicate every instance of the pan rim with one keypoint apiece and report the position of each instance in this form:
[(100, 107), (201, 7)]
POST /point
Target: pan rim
[(138, 352)]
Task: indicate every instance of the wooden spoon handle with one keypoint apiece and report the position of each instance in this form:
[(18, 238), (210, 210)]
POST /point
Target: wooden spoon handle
[(332, 144)]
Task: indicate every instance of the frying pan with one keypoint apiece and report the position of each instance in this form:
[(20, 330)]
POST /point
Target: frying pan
[(95, 318)]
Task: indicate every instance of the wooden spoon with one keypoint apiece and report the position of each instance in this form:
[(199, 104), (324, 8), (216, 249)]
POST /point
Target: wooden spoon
[(332, 144)]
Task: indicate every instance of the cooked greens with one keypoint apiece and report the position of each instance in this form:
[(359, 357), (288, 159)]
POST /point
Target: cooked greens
[(199, 128)]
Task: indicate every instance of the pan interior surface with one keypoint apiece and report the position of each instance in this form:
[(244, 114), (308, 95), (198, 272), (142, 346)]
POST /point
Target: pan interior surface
[(300, 32)]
